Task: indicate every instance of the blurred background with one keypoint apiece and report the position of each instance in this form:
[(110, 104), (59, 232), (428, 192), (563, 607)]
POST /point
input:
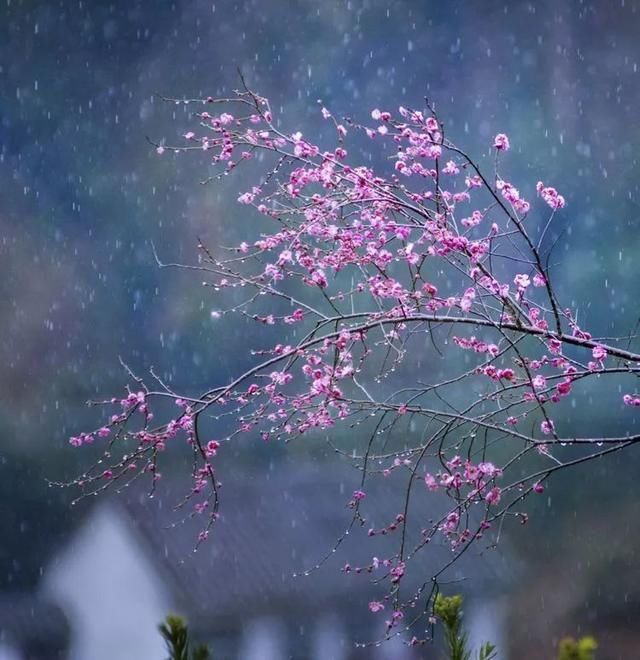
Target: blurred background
[(83, 196)]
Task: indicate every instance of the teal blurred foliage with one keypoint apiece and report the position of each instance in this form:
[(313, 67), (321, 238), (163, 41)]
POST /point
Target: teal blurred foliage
[(34, 520), (84, 194)]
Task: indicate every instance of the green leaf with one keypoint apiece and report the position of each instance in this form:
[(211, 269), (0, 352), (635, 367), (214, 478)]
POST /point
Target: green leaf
[(200, 653), (174, 631), (176, 635), (582, 649), (487, 651), (449, 610)]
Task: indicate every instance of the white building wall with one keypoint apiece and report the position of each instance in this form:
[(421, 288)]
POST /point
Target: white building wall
[(110, 592), (263, 638), (485, 622), (9, 652), (329, 640)]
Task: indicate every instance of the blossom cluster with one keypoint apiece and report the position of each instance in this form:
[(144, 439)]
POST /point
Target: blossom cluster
[(369, 265)]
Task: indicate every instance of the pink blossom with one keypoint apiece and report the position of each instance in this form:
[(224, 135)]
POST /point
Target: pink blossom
[(431, 482), (212, 448), (539, 382), (450, 168), (599, 353), (512, 195), (451, 522), (555, 346), (501, 142), (397, 572), (318, 277), (547, 427), (539, 280), (564, 387), (471, 472), (506, 374), (550, 196), (454, 463), (493, 496), (298, 315), (489, 469), (246, 198), (376, 606), (281, 377)]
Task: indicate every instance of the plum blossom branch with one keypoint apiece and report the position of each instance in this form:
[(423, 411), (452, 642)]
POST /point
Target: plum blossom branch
[(414, 258)]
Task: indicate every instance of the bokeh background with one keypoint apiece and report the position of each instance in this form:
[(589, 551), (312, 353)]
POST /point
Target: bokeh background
[(83, 196)]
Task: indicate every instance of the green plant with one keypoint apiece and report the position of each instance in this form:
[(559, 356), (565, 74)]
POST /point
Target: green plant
[(449, 610), (581, 649), (176, 635)]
